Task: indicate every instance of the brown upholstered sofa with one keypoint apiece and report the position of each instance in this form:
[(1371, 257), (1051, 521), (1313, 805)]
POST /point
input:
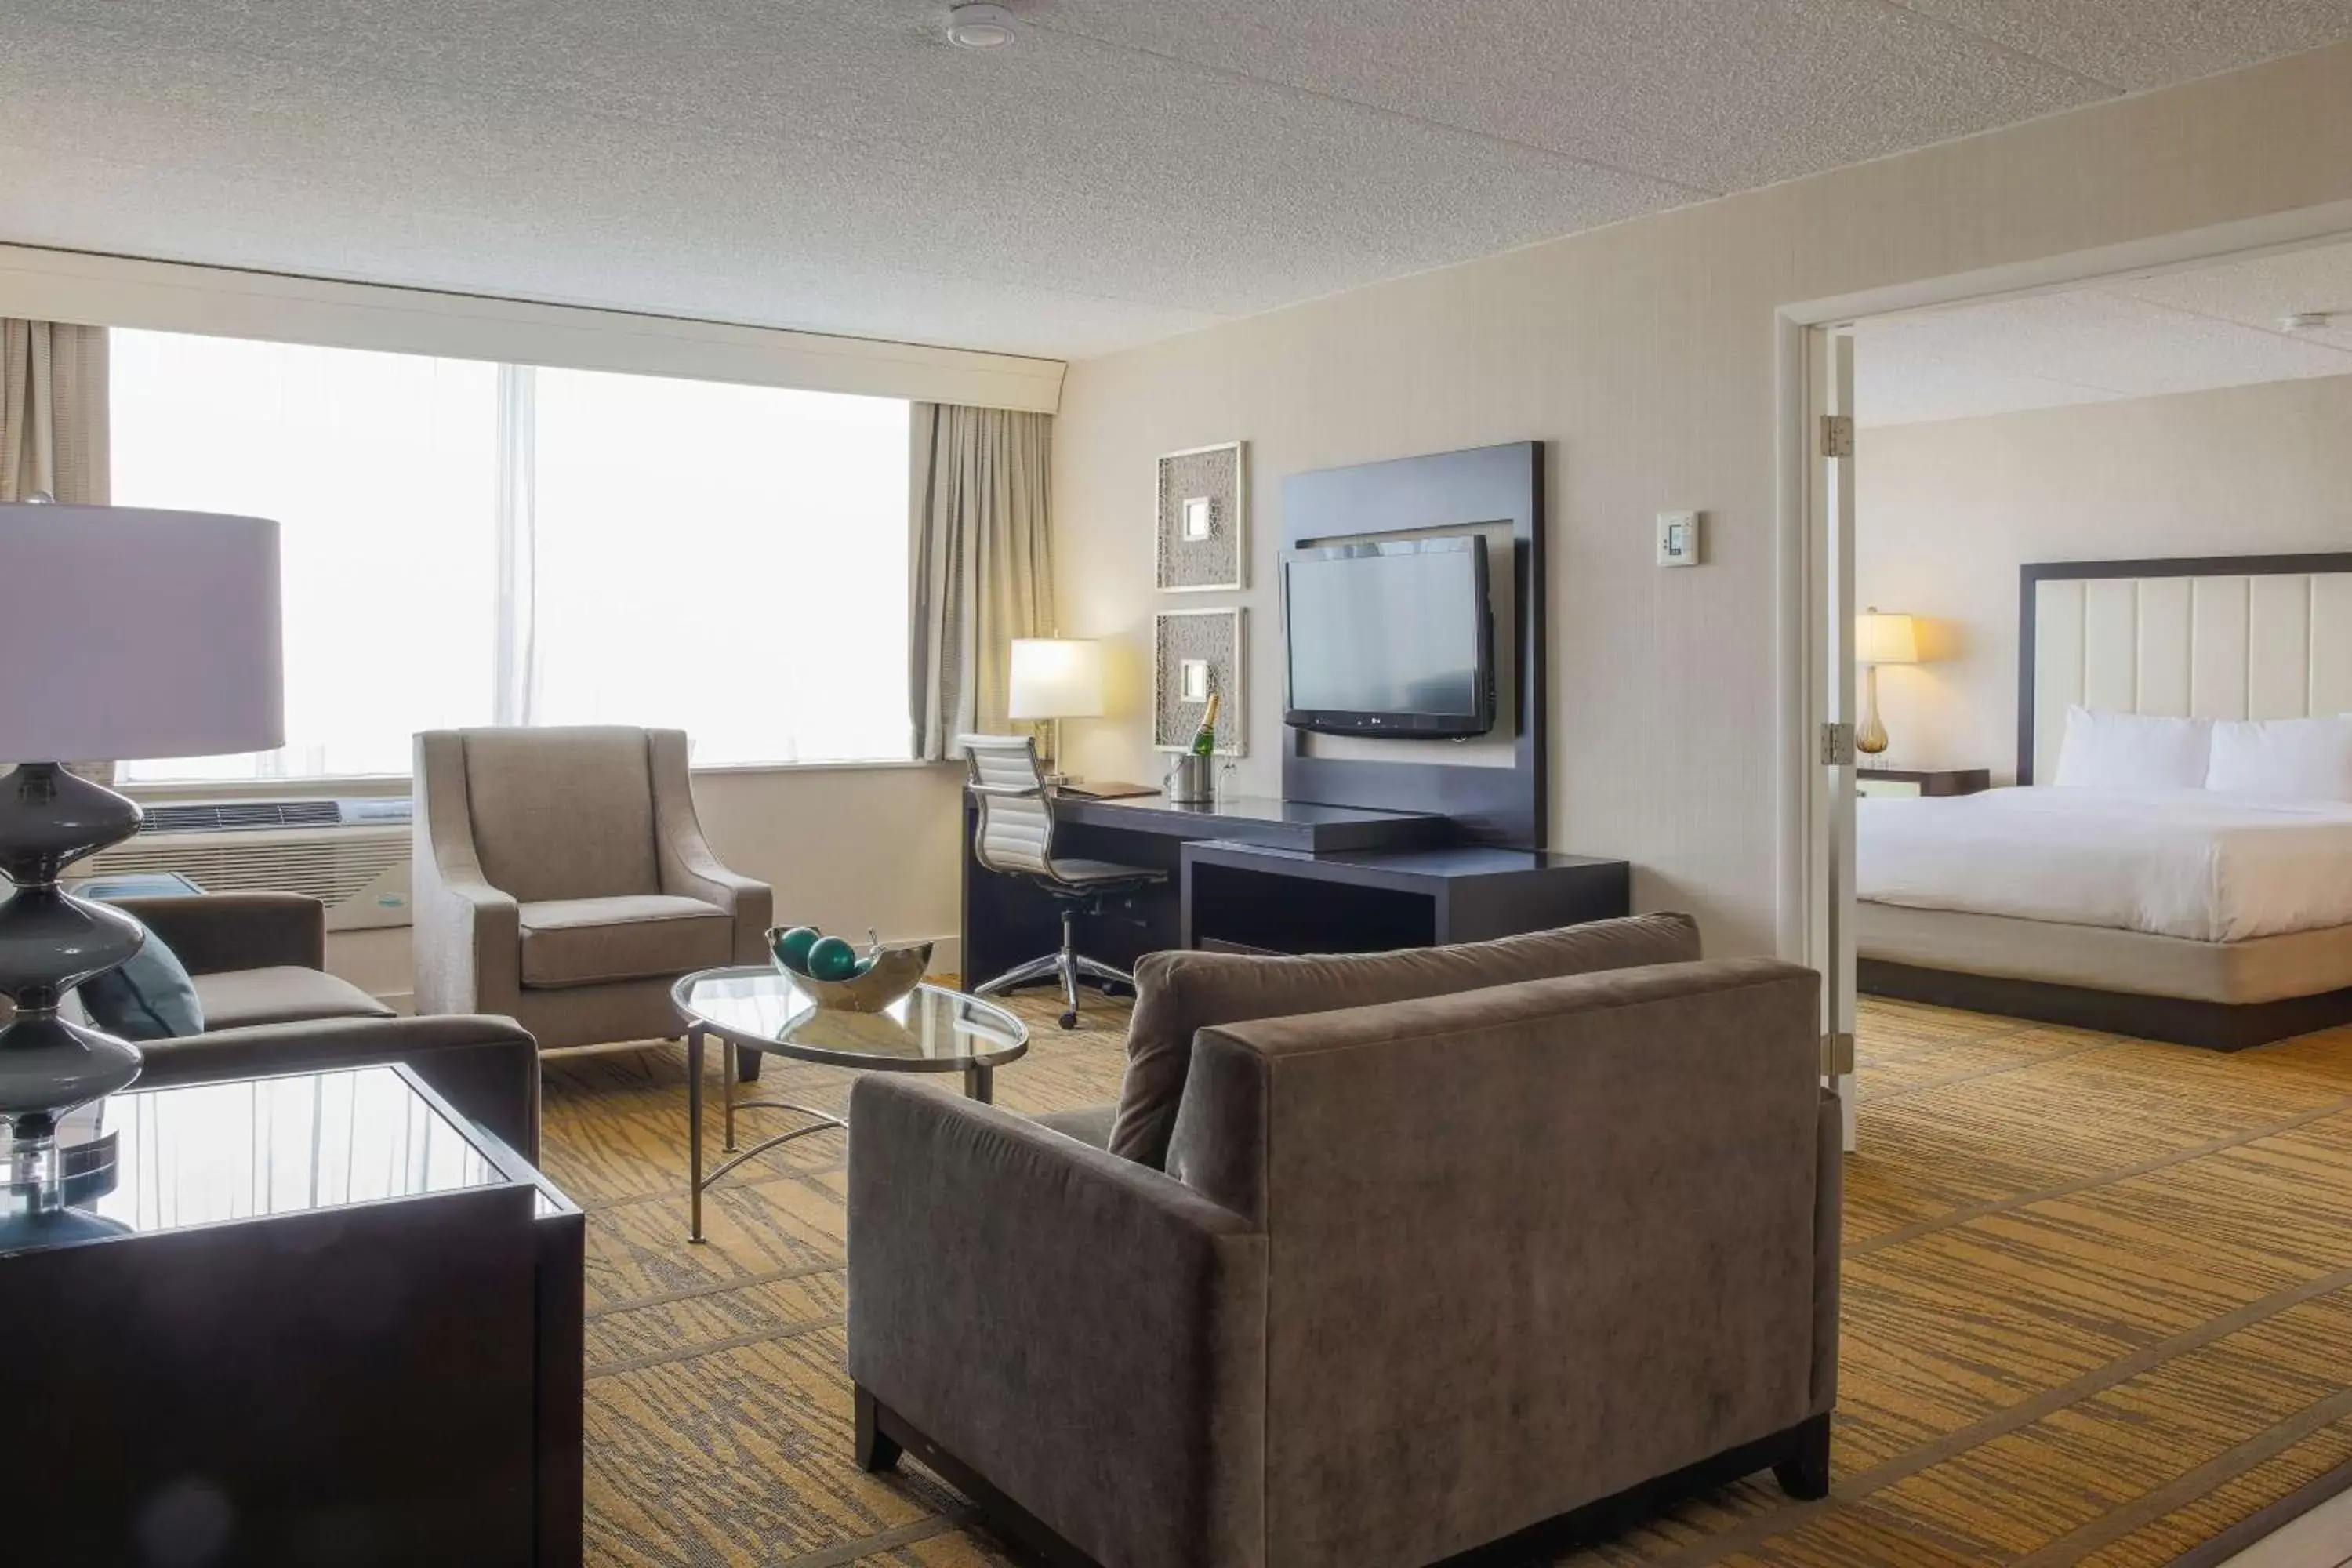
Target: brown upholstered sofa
[(259, 963), (562, 878), (1412, 1276)]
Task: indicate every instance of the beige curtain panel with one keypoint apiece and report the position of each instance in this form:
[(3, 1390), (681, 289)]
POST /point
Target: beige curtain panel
[(53, 411), (981, 564)]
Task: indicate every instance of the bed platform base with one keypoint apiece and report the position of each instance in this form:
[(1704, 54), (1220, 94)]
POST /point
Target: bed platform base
[(2215, 1025)]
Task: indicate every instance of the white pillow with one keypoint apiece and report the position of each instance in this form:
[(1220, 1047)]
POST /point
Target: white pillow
[(2105, 749), (2306, 759)]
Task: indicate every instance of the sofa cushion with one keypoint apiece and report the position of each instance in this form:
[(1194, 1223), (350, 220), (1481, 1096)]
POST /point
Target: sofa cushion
[(1177, 994), (562, 812), (1087, 1124), (148, 997), (241, 998), (588, 942)]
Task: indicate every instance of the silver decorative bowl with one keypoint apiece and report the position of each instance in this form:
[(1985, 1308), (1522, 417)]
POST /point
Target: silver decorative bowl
[(896, 971)]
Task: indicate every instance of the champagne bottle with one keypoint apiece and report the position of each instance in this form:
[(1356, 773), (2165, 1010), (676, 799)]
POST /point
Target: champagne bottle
[(1204, 739)]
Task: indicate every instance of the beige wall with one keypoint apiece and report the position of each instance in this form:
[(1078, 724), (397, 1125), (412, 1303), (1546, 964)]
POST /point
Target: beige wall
[(1645, 354), (844, 848), (1947, 511)]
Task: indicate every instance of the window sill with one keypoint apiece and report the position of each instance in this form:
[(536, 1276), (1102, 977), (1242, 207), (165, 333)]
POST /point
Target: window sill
[(869, 764), (366, 785)]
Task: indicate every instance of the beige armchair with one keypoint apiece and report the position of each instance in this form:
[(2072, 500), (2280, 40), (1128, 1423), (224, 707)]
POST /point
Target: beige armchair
[(561, 878)]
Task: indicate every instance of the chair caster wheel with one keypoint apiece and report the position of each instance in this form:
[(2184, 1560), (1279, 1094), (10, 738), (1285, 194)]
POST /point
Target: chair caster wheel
[(1070, 1019)]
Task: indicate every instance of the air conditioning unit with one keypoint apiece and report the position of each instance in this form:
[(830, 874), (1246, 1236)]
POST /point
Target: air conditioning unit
[(350, 854)]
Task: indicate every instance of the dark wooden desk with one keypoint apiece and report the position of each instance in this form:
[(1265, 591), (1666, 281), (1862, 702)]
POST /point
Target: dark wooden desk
[(1281, 875), (1007, 922)]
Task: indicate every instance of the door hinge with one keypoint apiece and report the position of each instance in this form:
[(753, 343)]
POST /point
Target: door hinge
[(1837, 435), (1837, 746), (1837, 1055)]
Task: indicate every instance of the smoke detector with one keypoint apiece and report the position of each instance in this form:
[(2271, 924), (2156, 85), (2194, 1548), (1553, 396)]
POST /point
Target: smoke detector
[(976, 27), (2305, 320)]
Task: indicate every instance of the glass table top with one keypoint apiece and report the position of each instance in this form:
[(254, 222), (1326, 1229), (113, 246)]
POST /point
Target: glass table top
[(148, 1161), (933, 1029)]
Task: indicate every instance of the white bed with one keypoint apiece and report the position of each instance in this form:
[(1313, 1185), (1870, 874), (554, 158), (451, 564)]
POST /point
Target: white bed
[(2207, 916), (2193, 864)]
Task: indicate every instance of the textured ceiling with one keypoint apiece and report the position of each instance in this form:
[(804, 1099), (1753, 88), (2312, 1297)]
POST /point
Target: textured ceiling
[(2139, 337), (1126, 171)]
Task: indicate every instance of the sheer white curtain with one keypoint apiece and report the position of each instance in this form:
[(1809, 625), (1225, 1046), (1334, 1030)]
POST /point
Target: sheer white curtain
[(730, 560), (473, 543), (382, 470)]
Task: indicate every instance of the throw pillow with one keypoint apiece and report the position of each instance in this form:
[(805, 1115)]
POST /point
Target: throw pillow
[(149, 998), (1178, 994)]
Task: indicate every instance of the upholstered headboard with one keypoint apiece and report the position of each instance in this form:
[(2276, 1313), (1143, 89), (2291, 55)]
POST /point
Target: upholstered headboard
[(2215, 636)]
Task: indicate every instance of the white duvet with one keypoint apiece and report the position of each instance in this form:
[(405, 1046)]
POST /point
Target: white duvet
[(2187, 863)]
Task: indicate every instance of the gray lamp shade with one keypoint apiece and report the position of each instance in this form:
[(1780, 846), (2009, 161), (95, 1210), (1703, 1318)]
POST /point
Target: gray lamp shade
[(127, 633)]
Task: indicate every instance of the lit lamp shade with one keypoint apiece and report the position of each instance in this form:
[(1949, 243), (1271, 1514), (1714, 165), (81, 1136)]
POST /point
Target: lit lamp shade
[(1055, 677), (131, 634), (1880, 639)]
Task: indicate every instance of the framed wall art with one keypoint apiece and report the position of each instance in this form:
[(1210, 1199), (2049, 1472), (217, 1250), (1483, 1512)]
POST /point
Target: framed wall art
[(1200, 542), (1195, 652)]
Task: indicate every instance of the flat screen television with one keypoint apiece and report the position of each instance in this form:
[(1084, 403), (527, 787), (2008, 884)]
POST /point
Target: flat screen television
[(1389, 639)]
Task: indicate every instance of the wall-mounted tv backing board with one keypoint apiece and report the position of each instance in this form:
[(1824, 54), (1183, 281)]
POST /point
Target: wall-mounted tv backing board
[(1485, 493)]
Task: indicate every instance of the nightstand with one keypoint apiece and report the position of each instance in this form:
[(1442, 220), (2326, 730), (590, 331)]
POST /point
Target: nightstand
[(1884, 783)]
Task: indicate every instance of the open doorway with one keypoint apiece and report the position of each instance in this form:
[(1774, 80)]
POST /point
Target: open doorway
[(2095, 541), (2184, 412), (2102, 621)]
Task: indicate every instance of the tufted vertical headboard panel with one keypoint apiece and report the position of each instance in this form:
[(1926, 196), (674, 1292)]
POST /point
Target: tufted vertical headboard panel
[(2228, 637)]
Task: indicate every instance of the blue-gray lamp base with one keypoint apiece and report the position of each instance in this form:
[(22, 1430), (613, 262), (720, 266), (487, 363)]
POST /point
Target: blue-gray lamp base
[(52, 942)]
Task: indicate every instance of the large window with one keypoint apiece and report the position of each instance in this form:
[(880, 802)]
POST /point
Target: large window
[(381, 471), (468, 544)]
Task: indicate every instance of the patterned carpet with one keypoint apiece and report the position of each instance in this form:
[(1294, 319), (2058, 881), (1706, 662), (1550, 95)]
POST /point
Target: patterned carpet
[(2098, 1307)]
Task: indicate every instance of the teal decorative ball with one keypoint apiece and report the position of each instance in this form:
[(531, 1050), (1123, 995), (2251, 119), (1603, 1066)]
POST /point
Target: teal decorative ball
[(793, 947), (832, 959)]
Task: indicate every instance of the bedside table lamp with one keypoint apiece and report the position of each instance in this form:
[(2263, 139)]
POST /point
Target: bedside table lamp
[(1056, 679), (129, 632), (1879, 639)]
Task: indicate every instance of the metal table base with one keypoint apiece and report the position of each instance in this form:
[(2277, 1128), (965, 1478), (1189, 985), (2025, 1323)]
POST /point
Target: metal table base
[(979, 1083)]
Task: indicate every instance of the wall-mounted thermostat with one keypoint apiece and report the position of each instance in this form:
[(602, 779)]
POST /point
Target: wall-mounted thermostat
[(1678, 539)]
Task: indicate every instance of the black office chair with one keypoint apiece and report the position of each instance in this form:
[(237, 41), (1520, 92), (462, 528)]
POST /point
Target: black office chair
[(1016, 838)]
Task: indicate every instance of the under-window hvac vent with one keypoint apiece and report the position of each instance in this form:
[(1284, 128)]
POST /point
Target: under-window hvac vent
[(361, 874), (230, 816)]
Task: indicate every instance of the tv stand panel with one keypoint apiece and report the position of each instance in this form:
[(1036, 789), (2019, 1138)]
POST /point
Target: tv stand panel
[(1249, 819), (1504, 807)]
